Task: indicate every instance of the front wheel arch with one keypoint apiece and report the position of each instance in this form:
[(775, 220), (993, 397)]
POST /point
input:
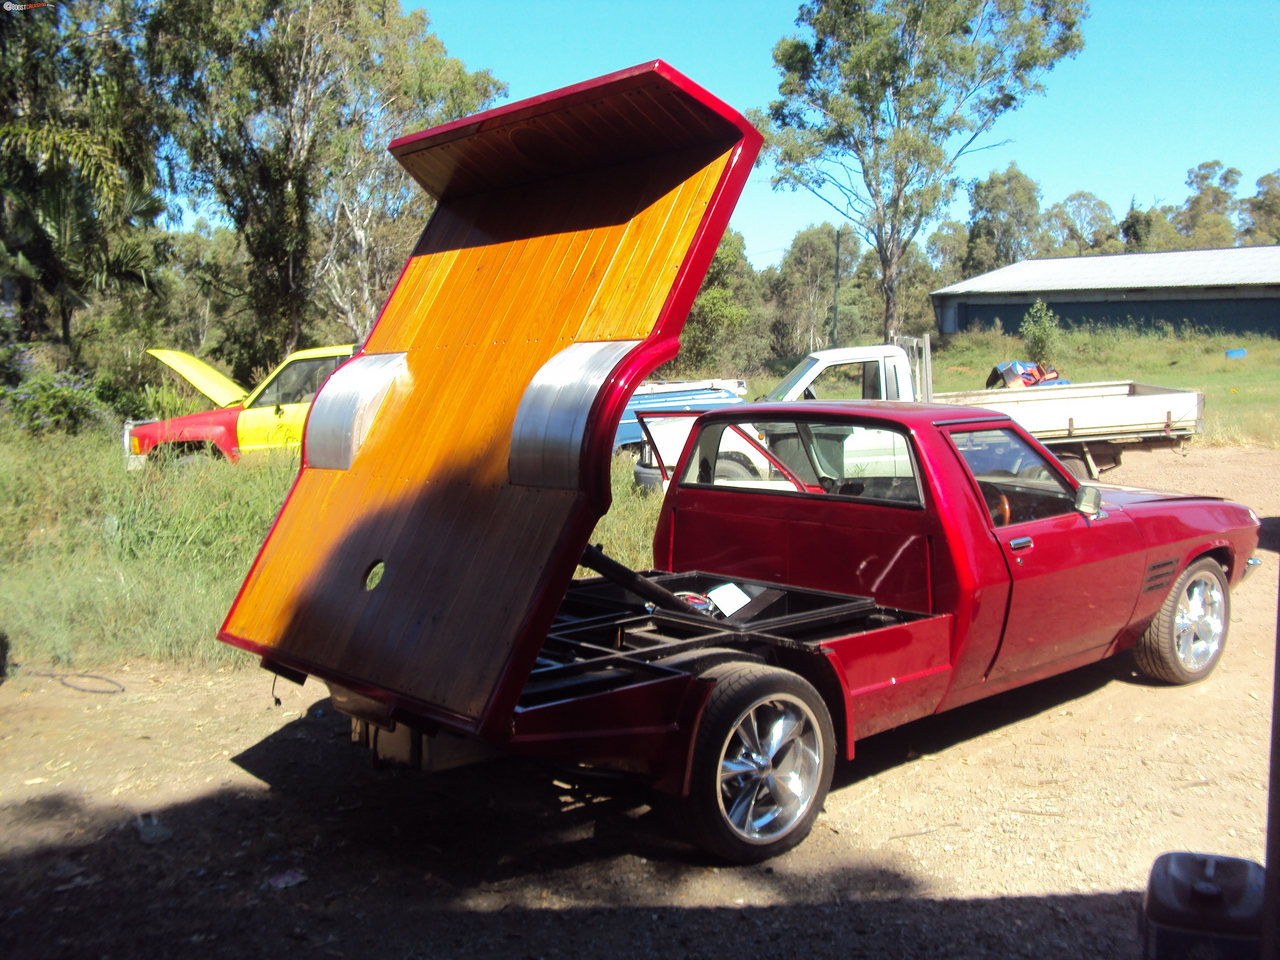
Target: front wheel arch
[(178, 451), (1224, 558)]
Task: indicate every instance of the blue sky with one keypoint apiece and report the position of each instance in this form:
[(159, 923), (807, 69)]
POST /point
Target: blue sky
[(1161, 86)]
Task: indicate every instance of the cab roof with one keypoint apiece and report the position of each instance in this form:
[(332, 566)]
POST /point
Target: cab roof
[(914, 416)]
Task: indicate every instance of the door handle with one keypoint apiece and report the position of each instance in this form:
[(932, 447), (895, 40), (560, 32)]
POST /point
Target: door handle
[(1019, 543)]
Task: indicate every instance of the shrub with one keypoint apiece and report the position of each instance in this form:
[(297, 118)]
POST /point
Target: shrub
[(1040, 333), (63, 401), (126, 401), (166, 401)]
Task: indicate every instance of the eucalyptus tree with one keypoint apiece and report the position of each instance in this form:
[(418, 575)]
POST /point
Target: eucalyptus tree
[(727, 301), (398, 80), (881, 98), (1082, 224), (947, 247), (1204, 221), (1212, 201), (1005, 224), (253, 88), (804, 290), (1262, 211), (272, 99)]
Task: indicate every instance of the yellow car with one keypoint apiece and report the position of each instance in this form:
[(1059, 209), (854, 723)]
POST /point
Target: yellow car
[(271, 416)]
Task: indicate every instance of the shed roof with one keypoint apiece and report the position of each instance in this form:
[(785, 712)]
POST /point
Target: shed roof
[(1230, 266)]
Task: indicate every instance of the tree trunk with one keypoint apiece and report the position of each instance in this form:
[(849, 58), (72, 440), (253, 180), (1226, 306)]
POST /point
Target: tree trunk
[(889, 287), (65, 311), (294, 312), (29, 321)]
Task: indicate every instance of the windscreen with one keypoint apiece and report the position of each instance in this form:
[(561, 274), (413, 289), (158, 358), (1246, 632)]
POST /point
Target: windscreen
[(795, 376)]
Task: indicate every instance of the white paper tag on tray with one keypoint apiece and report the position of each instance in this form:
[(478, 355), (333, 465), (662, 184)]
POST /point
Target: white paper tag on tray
[(729, 597)]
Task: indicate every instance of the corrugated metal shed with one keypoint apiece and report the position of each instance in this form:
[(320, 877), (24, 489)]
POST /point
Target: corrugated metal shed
[(1236, 289), (1231, 266)]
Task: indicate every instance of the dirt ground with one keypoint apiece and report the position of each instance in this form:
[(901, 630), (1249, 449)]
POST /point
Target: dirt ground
[(1023, 825)]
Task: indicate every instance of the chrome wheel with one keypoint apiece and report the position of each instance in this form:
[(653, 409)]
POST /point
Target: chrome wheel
[(1186, 637), (1200, 621), (770, 768)]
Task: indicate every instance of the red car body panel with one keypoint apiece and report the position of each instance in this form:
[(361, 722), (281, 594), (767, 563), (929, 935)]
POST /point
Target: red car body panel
[(645, 729), (1084, 588), (217, 427), (891, 675)]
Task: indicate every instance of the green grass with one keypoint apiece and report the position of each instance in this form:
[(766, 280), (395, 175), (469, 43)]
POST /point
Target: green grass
[(626, 531), (97, 564)]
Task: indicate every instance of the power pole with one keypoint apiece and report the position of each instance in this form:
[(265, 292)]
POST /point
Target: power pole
[(835, 305)]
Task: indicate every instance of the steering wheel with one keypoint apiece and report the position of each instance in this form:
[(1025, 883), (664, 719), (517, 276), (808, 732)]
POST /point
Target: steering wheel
[(997, 504), (1002, 511)]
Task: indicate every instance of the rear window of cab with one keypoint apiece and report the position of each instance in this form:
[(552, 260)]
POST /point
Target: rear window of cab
[(806, 457)]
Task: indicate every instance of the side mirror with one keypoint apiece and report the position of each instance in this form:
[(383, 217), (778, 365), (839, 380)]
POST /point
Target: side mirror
[(1089, 502)]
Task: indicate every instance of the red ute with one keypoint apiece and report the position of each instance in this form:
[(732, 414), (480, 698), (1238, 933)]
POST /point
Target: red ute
[(825, 570)]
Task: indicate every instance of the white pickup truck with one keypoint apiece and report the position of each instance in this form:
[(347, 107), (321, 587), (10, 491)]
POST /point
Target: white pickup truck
[(1087, 425)]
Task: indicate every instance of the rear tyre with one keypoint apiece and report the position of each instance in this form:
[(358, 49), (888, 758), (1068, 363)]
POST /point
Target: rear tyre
[(762, 763), (1184, 641)]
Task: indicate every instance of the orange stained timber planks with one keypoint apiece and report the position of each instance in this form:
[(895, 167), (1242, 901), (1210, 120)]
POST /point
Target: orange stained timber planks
[(588, 256)]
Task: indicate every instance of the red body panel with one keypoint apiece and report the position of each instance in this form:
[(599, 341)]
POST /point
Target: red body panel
[(647, 728), (1083, 588), (876, 552), (892, 675), (1073, 589), (217, 427), (1072, 584)]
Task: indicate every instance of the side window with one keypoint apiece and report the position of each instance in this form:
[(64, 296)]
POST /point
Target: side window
[(763, 456), (1017, 483), (298, 382), (810, 457), (848, 381)]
